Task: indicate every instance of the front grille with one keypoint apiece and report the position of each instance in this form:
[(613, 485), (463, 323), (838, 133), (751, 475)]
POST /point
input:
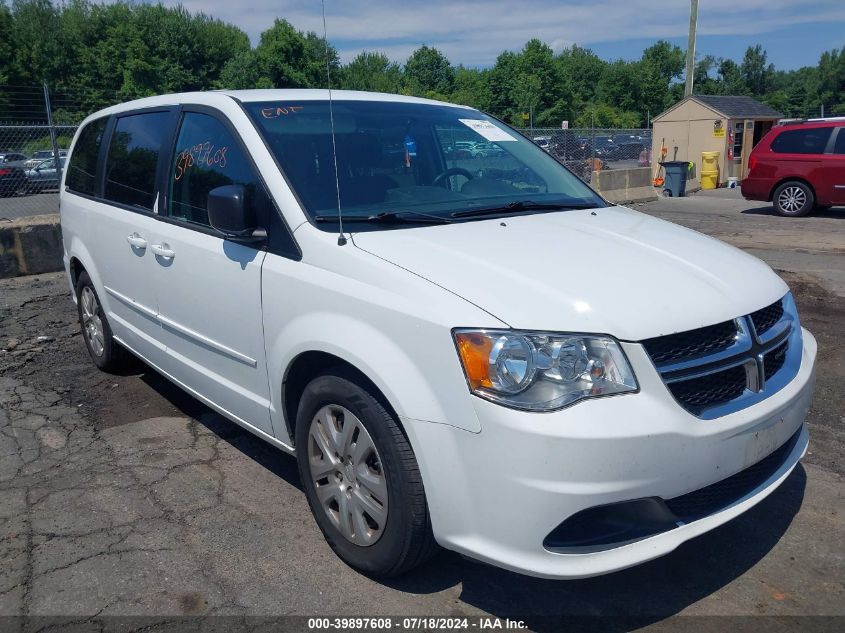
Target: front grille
[(710, 390), (691, 344), (731, 361), (705, 501), (774, 360), (765, 318)]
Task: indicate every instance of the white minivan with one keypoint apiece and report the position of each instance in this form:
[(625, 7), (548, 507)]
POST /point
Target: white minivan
[(471, 351)]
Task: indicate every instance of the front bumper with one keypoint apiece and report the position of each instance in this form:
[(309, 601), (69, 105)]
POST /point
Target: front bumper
[(496, 495)]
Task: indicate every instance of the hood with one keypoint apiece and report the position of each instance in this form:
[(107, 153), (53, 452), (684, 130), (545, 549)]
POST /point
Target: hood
[(611, 271)]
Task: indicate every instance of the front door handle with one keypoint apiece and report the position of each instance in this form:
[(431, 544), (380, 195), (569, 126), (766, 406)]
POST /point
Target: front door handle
[(136, 241), (163, 250)]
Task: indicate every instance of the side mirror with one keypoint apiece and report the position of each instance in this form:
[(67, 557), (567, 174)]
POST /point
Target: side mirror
[(228, 214)]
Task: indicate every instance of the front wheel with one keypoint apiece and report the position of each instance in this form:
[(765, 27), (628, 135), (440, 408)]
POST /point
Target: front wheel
[(793, 199), (361, 477)]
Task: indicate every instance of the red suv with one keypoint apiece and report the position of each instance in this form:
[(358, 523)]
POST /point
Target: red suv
[(798, 167)]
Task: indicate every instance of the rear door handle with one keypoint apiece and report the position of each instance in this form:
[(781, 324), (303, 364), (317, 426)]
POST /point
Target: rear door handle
[(163, 250), (136, 241)]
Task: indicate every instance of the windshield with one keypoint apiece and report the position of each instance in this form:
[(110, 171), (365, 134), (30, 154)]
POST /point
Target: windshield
[(422, 160)]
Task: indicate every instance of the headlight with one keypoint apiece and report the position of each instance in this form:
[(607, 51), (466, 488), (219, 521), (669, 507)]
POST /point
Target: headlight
[(542, 371)]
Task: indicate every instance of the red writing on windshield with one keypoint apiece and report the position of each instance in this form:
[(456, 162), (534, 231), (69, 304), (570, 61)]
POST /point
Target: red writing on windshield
[(200, 155), (277, 111)]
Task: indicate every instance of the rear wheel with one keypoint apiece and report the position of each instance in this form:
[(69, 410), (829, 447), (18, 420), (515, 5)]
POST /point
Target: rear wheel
[(361, 477), (103, 349), (793, 199)]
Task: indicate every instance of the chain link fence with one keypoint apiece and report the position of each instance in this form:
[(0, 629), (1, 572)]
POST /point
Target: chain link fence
[(585, 150), (35, 134), (37, 126)]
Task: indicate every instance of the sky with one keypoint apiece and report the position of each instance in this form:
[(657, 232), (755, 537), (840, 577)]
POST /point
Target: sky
[(474, 32)]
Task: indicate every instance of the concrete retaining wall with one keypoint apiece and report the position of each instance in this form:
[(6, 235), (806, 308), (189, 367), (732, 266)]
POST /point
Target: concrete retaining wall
[(625, 185), (29, 246)]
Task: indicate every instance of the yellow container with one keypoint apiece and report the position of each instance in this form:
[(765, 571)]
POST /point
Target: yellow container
[(709, 179), (709, 161)]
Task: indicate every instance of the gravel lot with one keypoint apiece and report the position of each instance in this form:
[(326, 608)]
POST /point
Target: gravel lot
[(121, 495)]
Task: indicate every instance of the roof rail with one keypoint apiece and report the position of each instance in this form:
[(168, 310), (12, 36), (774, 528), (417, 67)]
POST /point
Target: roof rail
[(794, 121)]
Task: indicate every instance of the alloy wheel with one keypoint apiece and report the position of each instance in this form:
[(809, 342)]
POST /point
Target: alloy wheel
[(348, 475), (92, 323), (792, 199)]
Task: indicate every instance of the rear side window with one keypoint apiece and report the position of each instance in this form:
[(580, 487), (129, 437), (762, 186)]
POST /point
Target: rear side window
[(133, 157), (809, 141), (81, 173), (839, 148), (208, 156)]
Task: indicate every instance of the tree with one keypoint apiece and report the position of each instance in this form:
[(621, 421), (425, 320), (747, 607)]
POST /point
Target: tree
[(755, 73), (429, 71), (470, 87), (372, 71), (607, 116)]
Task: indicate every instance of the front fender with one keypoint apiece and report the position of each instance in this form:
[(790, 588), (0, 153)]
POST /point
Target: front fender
[(427, 387)]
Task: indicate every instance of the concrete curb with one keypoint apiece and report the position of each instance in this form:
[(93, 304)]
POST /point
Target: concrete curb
[(624, 186), (29, 246)]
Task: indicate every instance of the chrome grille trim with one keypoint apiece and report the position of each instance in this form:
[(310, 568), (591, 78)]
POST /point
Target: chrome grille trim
[(777, 348)]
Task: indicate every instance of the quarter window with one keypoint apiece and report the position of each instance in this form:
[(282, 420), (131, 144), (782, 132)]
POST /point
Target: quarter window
[(839, 148), (81, 173), (208, 156), (809, 141), (133, 157)]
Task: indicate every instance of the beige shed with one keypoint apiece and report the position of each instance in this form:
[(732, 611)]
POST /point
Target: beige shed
[(730, 125)]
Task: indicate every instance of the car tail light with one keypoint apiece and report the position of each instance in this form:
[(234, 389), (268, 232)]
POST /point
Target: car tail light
[(752, 163), (5, 172)]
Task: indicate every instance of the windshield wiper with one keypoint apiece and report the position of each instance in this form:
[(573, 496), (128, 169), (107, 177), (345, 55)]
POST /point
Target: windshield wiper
[(388, 217), (523, 205)]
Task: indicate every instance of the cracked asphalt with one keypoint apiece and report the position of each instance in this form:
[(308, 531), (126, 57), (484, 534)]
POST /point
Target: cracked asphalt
[(121, 495)]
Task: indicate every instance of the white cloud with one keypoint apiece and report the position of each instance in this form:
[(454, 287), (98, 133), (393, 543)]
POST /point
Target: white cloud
[(473, 32)]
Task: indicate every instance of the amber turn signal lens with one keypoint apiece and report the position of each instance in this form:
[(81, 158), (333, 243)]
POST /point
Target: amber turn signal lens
[(475, 355)]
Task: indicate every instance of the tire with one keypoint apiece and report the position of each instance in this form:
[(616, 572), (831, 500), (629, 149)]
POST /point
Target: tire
[(397, 536), (793, 199), (96, 331)]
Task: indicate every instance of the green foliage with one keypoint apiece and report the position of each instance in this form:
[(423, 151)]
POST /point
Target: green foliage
[(428, 71), (373, 72), (92, 55), (45, 142)]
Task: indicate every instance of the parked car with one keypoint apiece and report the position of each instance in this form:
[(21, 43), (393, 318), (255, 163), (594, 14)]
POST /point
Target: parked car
[(798, 167), (44, 175), (11, 157), (483, 150), (543, 141), (42, 155), (12, 180), (410, 332), (624, 151)]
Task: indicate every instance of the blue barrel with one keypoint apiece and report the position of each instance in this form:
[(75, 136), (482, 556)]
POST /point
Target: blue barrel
[(675, 183)]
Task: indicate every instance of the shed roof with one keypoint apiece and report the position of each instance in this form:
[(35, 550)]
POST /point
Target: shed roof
[(731, 107)]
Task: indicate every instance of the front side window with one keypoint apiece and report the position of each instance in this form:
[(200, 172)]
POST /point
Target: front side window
[(417, 159), (207, 156), (133, 157), (809, 141)]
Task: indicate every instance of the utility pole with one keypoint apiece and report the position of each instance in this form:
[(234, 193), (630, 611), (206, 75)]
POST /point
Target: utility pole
[(693, 19)]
